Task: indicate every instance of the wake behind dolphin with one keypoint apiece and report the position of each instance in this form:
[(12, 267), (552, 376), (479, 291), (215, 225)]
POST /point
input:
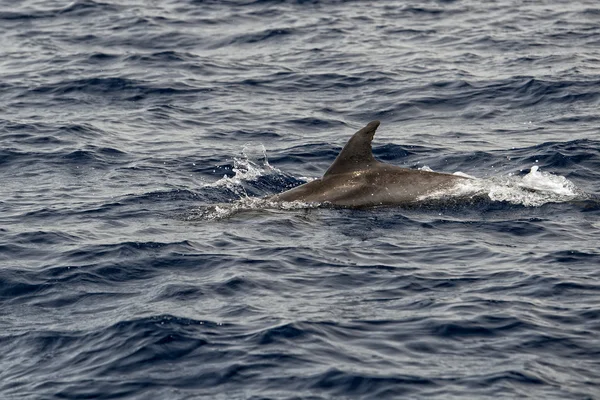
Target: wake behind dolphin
[(356, 179)]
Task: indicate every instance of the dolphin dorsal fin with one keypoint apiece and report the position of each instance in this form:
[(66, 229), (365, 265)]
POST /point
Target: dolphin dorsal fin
[(357, 154)]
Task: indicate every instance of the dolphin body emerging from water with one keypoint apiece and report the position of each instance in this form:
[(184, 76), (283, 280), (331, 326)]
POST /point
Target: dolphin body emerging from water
[(357, 180)]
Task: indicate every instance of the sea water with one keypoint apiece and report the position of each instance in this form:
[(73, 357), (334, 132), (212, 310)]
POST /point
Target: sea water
[(138, 258)]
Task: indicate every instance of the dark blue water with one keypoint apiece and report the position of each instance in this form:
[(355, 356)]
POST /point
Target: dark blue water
[(137, 260)]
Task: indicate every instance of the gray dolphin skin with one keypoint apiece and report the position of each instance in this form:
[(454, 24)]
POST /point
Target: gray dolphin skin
[(357, 180)]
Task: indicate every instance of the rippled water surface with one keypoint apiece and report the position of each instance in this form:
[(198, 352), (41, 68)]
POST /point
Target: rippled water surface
[(138, 259)]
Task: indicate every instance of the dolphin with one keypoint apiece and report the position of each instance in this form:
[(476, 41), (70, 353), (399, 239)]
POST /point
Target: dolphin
[(357, 180)]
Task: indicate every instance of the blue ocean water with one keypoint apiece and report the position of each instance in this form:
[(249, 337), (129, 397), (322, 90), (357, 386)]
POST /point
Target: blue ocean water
[(137, 260)]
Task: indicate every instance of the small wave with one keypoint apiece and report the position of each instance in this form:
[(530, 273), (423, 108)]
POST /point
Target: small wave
[(82, 8), (78, 8), (120, 88)]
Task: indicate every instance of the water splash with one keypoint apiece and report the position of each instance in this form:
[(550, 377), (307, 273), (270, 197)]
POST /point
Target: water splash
[(532, 190), (545, 181), (249, 166)]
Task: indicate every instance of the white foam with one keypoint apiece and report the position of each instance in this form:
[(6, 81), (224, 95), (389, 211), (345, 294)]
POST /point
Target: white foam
[(249, 166), (223, 211), (545, 181), (459, 173), (532, 190)]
